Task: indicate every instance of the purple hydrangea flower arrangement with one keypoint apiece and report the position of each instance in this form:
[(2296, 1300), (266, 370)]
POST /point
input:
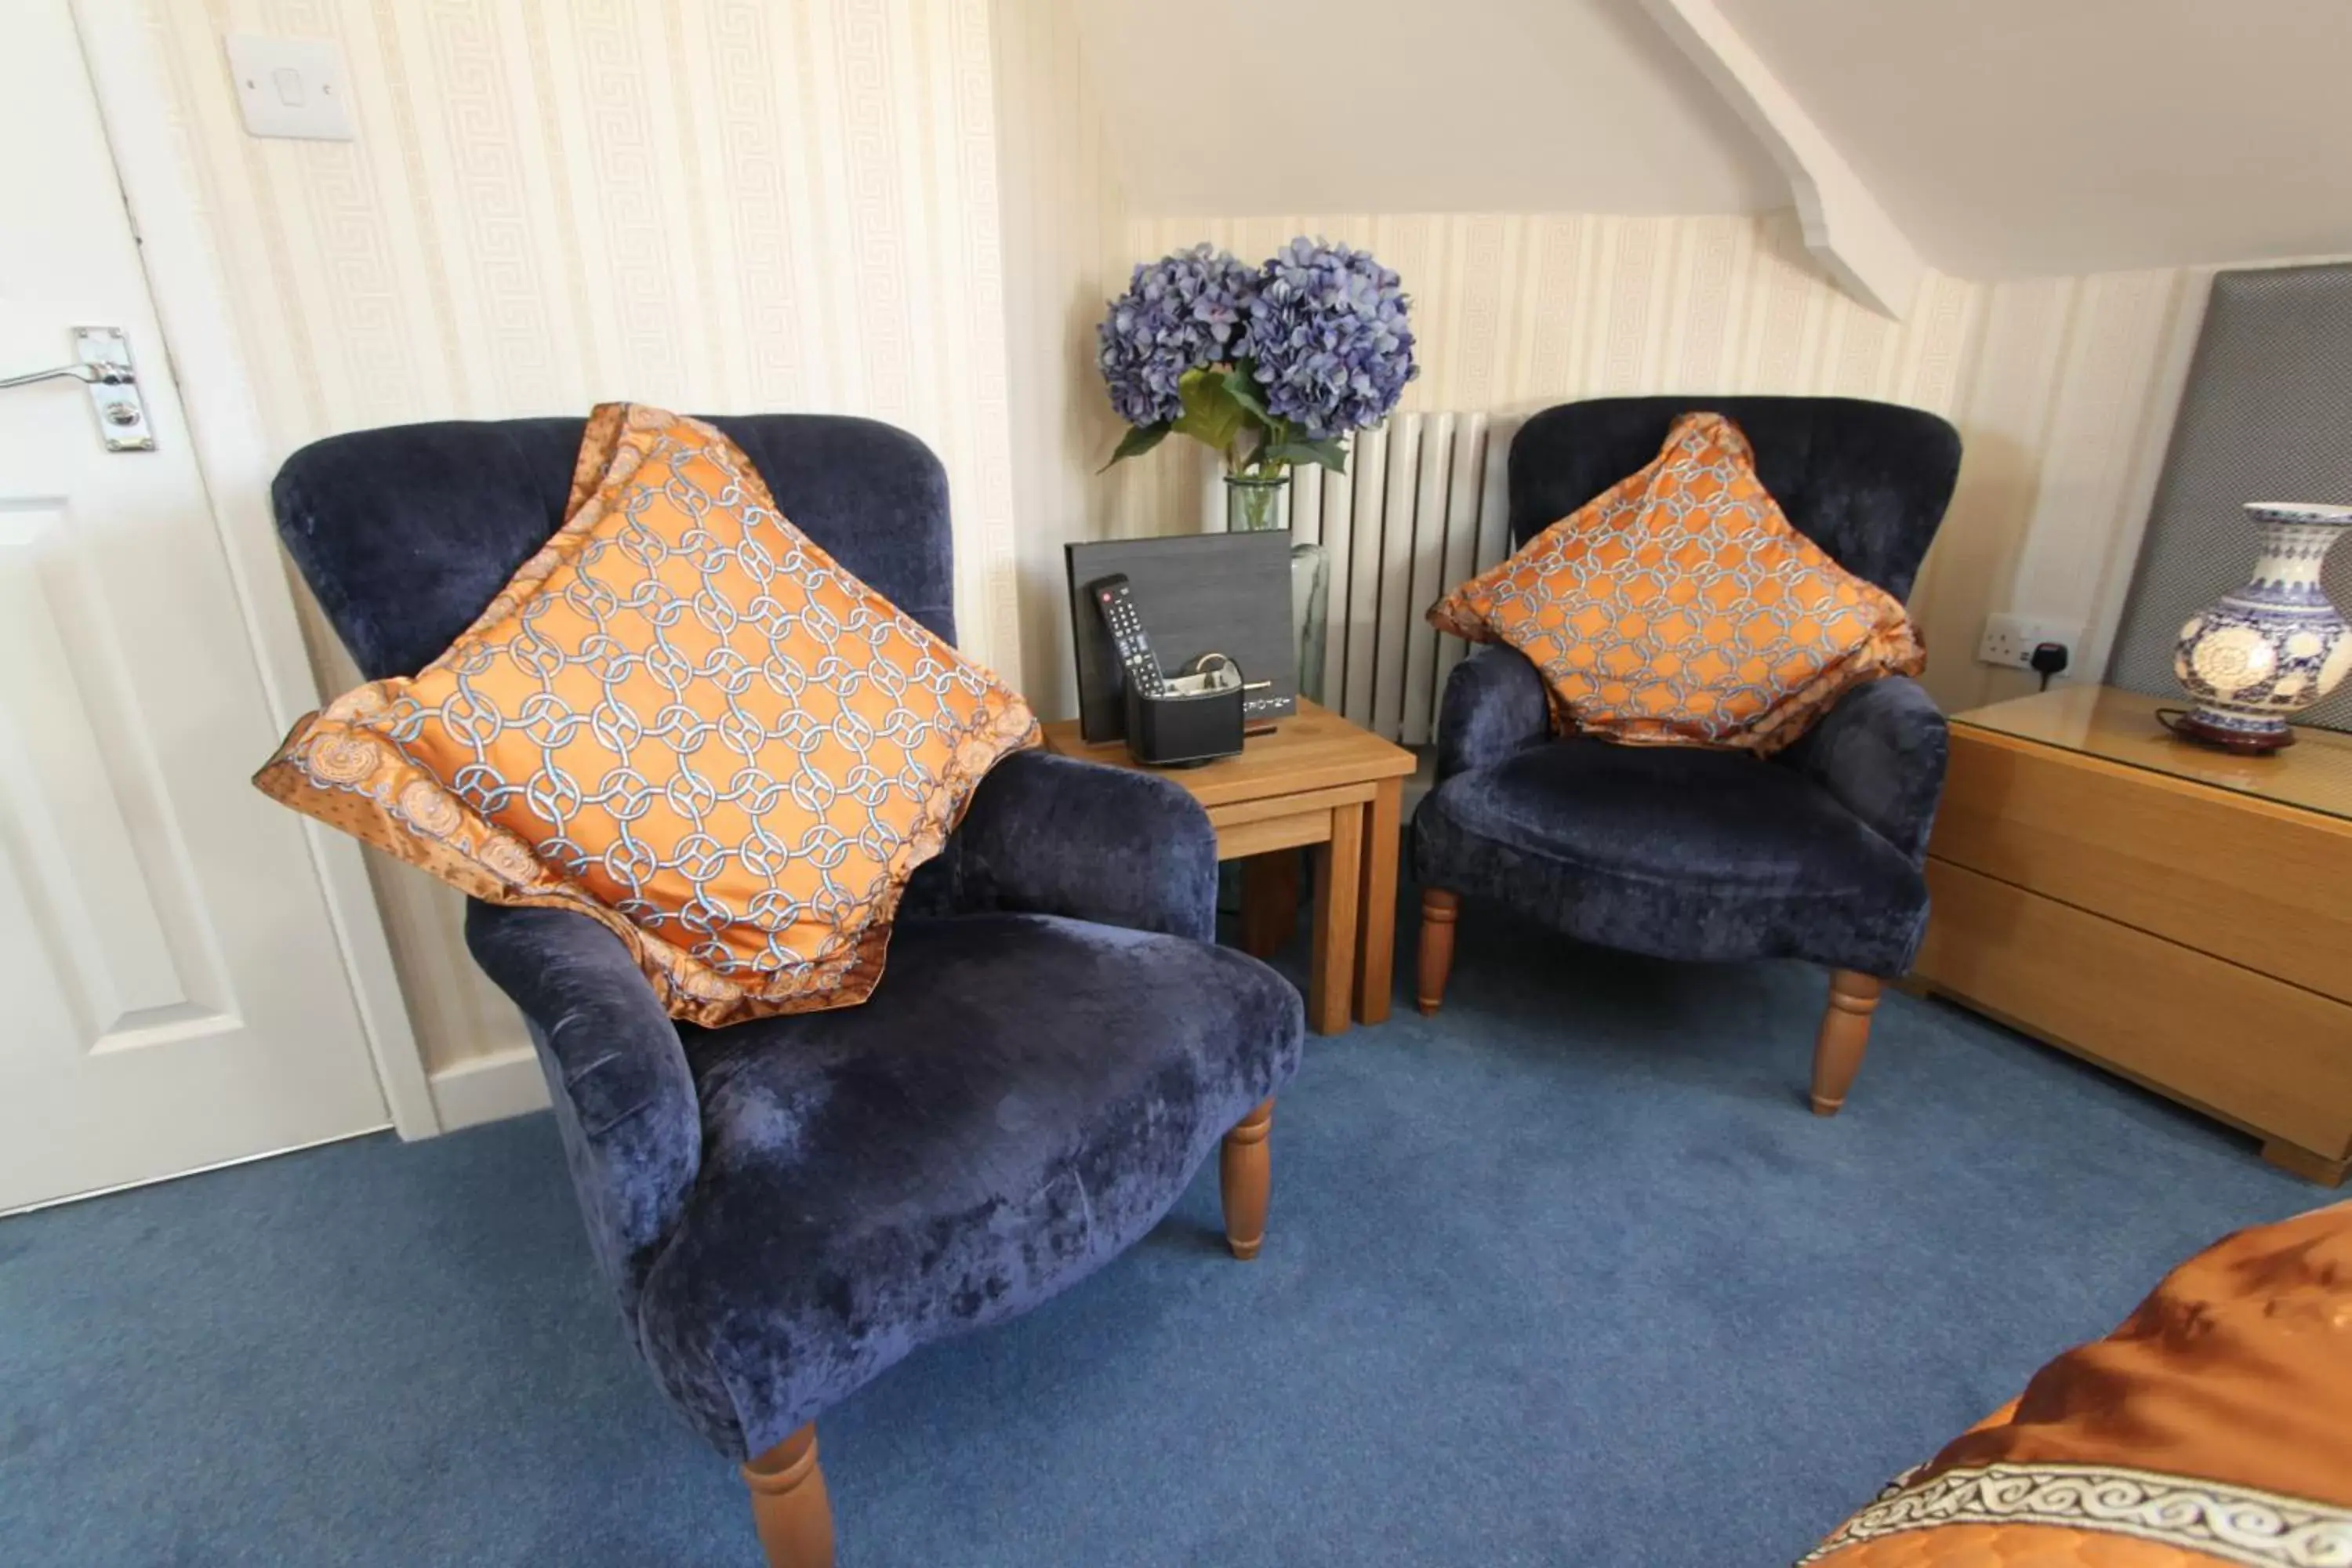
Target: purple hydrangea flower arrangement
[(1269, 367), (1328, 338), (1179, 313)]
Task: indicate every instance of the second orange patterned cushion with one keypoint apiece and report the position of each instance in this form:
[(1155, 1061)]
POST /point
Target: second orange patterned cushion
[(1680, 607), (683, 720)]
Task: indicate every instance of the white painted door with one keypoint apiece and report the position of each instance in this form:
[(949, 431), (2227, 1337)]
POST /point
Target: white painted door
[(171, 991)]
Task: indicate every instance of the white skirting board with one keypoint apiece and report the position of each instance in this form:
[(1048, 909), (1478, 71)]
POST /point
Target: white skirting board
[(489, 1089)]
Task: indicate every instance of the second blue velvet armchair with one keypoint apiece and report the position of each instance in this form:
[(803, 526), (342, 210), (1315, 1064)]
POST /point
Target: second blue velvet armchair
[(785, 1207), (1816, 853)]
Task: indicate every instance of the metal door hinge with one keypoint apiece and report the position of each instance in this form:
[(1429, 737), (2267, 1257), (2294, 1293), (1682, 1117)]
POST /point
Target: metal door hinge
[(102, 363)]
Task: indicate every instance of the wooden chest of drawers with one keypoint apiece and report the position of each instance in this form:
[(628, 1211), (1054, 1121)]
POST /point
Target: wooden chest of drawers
[(2177, 915)]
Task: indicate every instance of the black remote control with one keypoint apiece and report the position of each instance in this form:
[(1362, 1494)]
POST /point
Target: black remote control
[(1115, 600)]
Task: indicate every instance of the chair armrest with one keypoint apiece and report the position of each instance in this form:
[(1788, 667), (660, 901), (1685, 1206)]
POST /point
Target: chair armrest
[(1495, 704), (1880, 752), (624, 1098), (1051, 835)]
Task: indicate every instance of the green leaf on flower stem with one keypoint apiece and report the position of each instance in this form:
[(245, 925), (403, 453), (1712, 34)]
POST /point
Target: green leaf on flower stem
[(1242, 382), (1211, 415), (1138, 440), (1331, 454)]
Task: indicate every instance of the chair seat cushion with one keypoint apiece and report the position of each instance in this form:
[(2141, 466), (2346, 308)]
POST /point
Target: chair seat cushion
[(1022, 1098), (1681, 853)]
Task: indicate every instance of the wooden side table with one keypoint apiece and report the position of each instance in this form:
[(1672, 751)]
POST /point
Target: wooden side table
[(2175, 915), (1316, 780)]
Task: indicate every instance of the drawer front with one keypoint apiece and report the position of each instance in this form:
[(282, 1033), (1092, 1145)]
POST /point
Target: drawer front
[(2262, 885), (2269, 1055)]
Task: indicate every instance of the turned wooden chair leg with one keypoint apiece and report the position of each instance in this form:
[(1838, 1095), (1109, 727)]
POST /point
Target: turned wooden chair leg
[(1245, 1178), (789, 1507), (1439, 909), (1845, 1035)]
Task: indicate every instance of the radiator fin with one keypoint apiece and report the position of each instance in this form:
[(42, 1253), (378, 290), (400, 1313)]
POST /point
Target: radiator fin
[(1424, 505)]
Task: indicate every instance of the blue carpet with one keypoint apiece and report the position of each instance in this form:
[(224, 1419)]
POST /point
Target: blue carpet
[(1567, 1275)]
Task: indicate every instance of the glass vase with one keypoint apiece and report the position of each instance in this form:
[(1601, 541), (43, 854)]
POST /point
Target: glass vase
[(1255, 503), (1310, 601)]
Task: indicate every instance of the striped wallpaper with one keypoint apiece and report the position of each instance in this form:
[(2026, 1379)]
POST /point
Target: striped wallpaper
[(713, 204), (710, 204), (2062, 388), (907, 208), (1064, 254), (1513, 311)]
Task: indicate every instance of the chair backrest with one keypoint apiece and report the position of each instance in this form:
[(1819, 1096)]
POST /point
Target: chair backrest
[(406, 532), (1866, 482)]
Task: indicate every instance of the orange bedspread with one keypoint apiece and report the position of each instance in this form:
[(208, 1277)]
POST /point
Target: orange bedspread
[(2213, 1426)]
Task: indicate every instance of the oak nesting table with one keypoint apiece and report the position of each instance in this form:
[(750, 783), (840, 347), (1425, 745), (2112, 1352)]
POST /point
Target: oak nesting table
[(1316, 780)]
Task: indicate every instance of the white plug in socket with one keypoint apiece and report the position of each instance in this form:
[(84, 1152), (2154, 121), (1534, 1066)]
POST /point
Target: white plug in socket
[(290, 87), (2008, 640)]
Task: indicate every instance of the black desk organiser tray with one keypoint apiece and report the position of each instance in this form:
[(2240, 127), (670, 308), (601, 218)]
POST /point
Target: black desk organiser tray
[(1195, 594), (1197, 719)]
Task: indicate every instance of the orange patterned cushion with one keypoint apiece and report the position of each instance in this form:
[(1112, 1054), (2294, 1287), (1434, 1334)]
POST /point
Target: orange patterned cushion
[(1679, 607), (683, 720)]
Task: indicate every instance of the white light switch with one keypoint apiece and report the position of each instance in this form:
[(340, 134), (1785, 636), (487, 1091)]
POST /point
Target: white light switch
[(290, 87)]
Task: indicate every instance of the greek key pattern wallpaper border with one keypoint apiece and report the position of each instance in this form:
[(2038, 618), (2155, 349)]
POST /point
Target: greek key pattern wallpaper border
[(710, 204)]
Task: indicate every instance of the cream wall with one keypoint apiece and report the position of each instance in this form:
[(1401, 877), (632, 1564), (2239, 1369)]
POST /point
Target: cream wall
[(1514, 312), (2023, 138), (1273, 106), (2063, 388), (907, 208), (712, 204), (1064, 254), (2070, 401)]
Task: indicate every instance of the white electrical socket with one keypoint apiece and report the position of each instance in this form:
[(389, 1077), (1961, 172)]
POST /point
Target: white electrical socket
[(2008, 640)]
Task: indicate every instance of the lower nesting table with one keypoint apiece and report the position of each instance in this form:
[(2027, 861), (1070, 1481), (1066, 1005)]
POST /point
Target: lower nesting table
[(1316, 780)]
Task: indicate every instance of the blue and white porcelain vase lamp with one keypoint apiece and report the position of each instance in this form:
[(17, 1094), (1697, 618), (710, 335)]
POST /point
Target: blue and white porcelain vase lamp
[(2253, 659)]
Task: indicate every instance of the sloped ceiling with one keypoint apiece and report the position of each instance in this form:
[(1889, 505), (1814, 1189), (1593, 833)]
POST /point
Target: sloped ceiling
[(1248, 107), (2015, 137), (2005, 138)]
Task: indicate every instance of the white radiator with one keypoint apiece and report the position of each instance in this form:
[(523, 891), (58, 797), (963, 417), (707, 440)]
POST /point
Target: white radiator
[(1421, 507)]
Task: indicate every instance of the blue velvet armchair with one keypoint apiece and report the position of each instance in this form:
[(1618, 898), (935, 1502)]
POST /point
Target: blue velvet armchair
[(786, 1208), (1815, 853)]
